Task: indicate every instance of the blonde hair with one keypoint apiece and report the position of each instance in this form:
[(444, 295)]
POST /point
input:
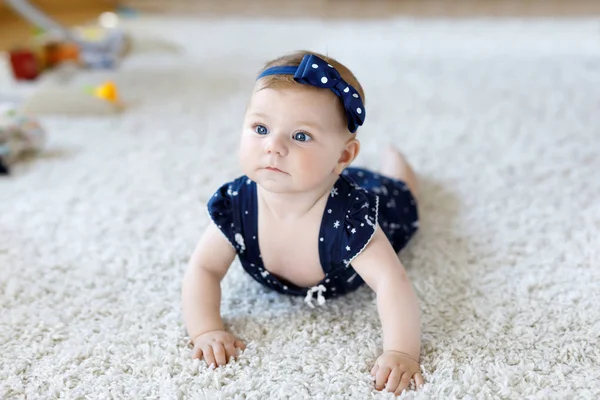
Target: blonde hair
[(294, 59)]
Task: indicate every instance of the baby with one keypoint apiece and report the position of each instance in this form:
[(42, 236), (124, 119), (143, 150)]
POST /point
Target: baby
[(297, 143)]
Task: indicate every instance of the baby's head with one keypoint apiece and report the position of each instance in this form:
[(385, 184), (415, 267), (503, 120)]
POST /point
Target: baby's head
[(299, 134)]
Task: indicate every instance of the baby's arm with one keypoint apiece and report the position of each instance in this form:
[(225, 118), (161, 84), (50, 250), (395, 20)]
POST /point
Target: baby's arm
[(398, 308), (201, 287)]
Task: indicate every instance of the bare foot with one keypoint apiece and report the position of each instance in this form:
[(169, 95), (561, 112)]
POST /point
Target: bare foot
[(394, 165)]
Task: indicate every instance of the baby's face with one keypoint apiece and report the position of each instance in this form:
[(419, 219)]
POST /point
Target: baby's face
[(292, 138)]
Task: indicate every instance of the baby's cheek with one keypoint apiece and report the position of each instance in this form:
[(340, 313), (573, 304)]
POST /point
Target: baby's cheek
[(315, 169), (246, 153)]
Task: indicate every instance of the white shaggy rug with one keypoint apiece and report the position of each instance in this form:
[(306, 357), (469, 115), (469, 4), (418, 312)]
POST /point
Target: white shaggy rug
[(500, 119)]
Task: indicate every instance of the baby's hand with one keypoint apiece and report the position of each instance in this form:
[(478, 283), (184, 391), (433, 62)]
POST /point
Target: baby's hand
[(217, 347), (395, 369)]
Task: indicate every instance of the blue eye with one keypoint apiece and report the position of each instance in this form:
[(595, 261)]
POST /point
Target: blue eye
[(261, 129), (302, 137)]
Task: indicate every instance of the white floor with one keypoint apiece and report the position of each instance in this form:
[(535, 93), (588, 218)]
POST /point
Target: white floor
[(500, 119)]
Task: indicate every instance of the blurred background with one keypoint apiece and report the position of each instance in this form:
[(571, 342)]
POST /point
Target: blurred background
[(31, 44), (14, 30)]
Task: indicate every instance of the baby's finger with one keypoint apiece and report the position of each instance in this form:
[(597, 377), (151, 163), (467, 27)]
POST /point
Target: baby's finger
[(382, 377), (197, 353), (393, 380), (220, 355), (374, 369), (240, 345), (231, 351), (419, 381), (209, 356), (404, 384)]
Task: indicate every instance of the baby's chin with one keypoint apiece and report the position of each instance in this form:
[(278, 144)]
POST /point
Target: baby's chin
[(274, 182)]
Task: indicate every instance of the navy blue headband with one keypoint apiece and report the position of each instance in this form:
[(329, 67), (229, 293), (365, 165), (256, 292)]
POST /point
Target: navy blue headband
[(315, 71)]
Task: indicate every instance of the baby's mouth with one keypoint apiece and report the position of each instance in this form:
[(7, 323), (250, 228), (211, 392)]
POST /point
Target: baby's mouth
[(273, 169)]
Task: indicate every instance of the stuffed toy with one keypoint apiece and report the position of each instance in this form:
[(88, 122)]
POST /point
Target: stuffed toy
[(19, 136)]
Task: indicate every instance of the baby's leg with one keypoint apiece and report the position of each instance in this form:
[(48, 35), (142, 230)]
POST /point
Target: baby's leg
[(394, 165)]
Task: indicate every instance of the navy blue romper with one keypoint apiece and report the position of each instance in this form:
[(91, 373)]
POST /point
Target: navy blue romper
[(358, 199)]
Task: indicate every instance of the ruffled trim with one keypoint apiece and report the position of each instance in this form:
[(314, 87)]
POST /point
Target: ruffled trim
[(372, 234)]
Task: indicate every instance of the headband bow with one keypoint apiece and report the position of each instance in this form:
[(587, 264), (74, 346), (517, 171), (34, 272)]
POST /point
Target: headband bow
[(316, 72)]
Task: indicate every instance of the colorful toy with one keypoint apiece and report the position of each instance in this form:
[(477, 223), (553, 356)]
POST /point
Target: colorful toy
[(60, 97), (24, 63), (56, 53), (97, 46), (107, 91)]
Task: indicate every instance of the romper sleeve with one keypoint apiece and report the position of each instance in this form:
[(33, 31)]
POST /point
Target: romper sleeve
[(221, 210), (361, 222)]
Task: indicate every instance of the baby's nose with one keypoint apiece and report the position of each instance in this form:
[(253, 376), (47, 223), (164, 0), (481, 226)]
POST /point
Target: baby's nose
[(276, 145)]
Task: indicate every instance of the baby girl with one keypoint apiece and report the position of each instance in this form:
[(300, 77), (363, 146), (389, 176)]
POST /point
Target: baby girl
[(297, 144)]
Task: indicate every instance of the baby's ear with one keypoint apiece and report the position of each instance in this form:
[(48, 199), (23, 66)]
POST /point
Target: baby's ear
[(350, 152)]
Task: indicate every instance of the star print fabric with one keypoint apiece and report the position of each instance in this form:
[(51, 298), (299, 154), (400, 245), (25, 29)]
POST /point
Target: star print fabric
[(398, 215), (357, 202)]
